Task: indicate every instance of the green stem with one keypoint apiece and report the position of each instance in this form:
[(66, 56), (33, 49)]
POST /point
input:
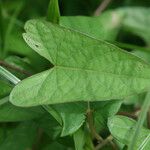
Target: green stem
[(8, 75), (91, 124), (53, 13), (140, 122), (105, 142), (103, 5)]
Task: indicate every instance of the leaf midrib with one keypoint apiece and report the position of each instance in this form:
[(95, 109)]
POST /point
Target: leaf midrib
[(96, 71)]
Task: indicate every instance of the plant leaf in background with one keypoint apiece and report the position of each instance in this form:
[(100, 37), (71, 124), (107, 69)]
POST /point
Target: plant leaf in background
[(122, 129), (79, 139), (17, 46), (20, 138), (11, 113), (104, 110), (82, 72), (104, 27), (49, 125), (73, 116), (53, 12), (85, 68), (137, 21), (5, 88), (79, 7)]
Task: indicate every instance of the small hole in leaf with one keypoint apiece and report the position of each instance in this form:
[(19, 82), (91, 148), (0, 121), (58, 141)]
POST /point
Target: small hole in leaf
[(36, 45)]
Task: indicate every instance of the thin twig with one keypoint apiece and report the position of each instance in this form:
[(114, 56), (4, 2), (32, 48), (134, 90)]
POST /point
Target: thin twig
[(105, 142), (38, 139), (130, 115), (4, 64), (91, 126), (102, 7)]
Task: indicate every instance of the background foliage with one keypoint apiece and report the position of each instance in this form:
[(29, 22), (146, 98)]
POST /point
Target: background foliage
[(38, 123)]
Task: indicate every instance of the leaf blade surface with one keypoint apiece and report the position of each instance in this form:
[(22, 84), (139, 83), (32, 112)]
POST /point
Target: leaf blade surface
[(85, 69)]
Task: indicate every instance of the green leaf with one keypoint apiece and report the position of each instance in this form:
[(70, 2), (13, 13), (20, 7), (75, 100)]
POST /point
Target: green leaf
[(79, 139), (20, 138), (51, 110), (103, 111), (11, 24), (53, 12), (16, 45), (140, 122), (145, 55), (71, 114), (137, 21), (122, 128), (11, 113), (83, 140), (50, 126), (5, 88), (104, 27), (55, 145), (85, 69)]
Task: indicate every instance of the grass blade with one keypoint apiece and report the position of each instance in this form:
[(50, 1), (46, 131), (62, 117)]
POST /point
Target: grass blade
[(140, 122), (8, 75), (3, 100)]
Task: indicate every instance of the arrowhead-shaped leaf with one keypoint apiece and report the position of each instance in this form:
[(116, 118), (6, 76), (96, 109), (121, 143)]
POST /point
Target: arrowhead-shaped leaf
[(72, 116), (103, 111), (85, 69)]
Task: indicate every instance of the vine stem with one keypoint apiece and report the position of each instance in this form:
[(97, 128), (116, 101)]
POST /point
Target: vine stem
[(91, 124), (93, 130), (105, 142), (2, 63), (140, 122), (102, 7)]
